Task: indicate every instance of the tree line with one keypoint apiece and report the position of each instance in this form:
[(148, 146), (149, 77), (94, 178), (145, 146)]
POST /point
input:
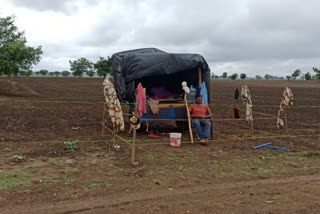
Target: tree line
[(297, 74)]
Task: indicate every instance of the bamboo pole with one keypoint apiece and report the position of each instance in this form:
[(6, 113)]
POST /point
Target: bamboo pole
[(189, 117), (103, 119), (113, 139), (199, 77), (319, 134), (133, 148), (251, 123), (286, 121)]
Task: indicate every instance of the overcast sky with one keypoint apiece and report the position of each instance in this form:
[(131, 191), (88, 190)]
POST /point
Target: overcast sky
[(234, 36)]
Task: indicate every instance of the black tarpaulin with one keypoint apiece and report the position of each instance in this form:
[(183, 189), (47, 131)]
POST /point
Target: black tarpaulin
[(151, 66)]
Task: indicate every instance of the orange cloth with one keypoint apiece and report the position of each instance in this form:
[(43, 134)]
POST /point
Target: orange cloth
[(199, 110)]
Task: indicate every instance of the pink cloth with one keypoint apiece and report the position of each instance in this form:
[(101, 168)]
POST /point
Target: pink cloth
[(142, 101)]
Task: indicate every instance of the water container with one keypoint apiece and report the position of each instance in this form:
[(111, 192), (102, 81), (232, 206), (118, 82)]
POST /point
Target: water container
[(191, 95), (175, 139)]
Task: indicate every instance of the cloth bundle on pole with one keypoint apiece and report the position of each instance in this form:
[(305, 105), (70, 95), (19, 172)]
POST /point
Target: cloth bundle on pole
[(246, 99), (287, 100), (114, 107)]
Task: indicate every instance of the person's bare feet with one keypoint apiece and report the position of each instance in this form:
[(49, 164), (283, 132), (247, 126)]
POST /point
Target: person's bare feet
[(204, 141)]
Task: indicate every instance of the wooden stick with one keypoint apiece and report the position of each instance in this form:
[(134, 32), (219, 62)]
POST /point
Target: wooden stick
[(133, 148), (113, 139), (285, 118), (199, 77), (211, 127), (319, 135), (103, 119), (189, 117), (251, 123)]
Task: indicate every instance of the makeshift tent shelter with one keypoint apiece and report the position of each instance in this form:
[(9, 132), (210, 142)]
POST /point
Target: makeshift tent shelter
[(161, 75)]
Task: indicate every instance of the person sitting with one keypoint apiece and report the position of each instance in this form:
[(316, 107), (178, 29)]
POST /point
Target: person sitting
[(200, 114)]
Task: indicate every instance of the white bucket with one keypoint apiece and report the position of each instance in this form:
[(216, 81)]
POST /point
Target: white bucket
[(175, 139)]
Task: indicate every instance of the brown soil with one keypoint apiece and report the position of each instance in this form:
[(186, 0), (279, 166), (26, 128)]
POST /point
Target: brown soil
[(39, 175)]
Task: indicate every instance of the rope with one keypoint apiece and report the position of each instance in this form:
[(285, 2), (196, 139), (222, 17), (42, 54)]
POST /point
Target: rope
[(94, 102)]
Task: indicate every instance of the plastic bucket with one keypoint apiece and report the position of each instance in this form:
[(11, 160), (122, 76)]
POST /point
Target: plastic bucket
[(175, 139)]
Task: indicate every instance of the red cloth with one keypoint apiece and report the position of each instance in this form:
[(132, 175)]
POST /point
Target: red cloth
[(236, 112), (142, 101), (154, 136), (199, 110)]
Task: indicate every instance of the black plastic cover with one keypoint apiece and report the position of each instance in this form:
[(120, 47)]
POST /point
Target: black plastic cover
[(131, 67)]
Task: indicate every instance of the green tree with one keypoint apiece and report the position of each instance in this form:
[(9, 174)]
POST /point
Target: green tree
[(234, 76), (296, 73), (224, 75), (258, 77), (243, 76), (216, 76), (65, 73), (80, 66), (267, 76), (57, 73), (307, 76), (90, 73), (15, 55), (317, 71), (37, 73), (26, 73), (103, 66), (288, 77), (51, 74), (44, 72)]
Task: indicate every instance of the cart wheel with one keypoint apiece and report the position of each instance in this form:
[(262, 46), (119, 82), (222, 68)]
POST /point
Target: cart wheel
[(182, 125)]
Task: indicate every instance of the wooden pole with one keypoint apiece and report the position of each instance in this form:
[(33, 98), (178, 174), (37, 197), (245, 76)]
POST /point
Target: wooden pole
[(251, 123), (199, 77), (189, 117), (285, 118), (103, 119), (133, 148), (212, 128), (319, 135), (113, 139)]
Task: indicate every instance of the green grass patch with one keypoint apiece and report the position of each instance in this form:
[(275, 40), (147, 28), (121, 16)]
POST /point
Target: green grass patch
[(182, 176), (68, 180), (71, 146), (156, 181), (223, 174), (17, 157), (219, 164), (49, 180), (95, 185), (245, 173), (192, 156), (311, 154), (263, 171), (74, 170), (53, 161), (149, 156), (7, 149), (172, 157), (13, 179)]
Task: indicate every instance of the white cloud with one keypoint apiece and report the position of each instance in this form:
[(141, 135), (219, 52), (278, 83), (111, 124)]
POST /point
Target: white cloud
[(243, 36)]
